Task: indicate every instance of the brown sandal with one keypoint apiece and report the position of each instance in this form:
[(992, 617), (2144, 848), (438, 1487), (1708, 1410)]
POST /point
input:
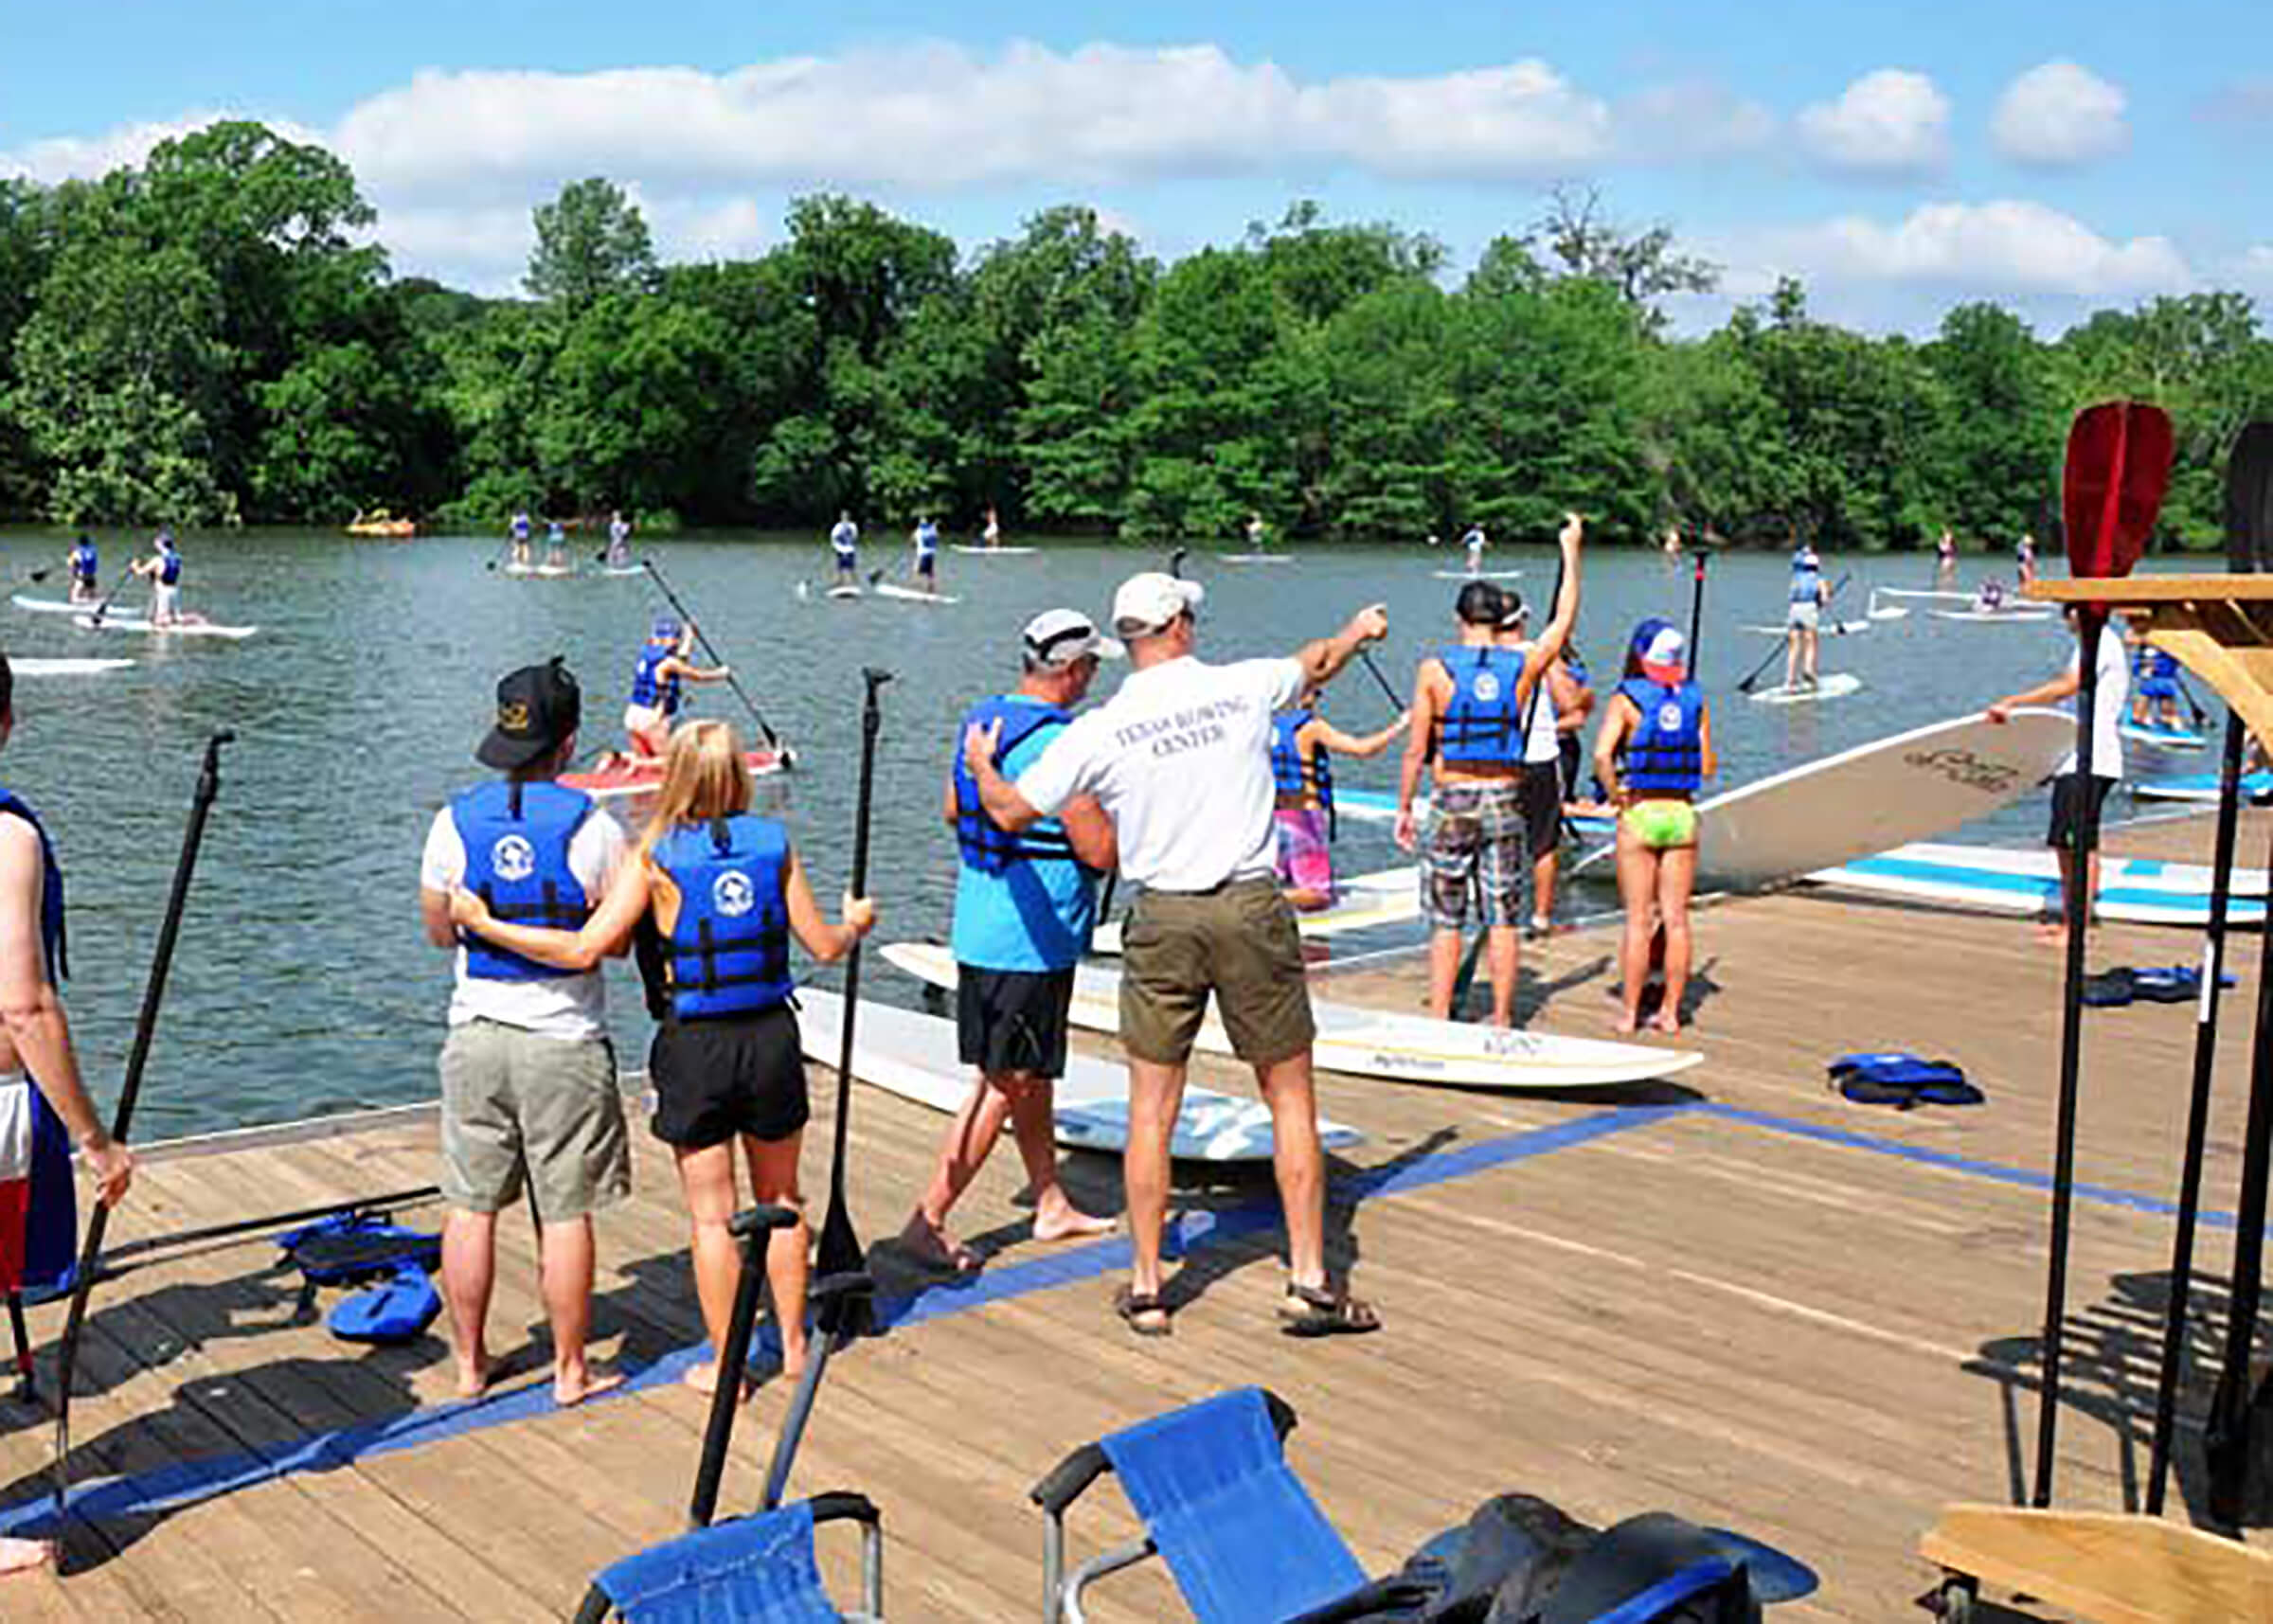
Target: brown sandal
[(1323, 1311), (1144, 1313)]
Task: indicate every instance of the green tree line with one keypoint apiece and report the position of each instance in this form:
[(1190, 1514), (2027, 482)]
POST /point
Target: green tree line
[(211, 337)]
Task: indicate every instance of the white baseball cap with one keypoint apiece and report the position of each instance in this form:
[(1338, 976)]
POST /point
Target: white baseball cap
[(1061, 636), (1148, 602), (1664, 655)]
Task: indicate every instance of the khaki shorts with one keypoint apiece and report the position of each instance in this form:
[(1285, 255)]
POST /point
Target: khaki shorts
[(516, 1103), (1237, 942)]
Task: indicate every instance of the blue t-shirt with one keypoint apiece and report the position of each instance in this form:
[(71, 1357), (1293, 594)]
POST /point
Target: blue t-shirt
[(1037, 916)]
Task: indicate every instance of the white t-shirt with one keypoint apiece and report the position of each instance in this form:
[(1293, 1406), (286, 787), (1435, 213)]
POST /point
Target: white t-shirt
[(567, 1007), (2113, 704), (1180, 758), (1542, 741)]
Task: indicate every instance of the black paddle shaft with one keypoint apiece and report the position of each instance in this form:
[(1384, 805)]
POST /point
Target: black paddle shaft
[(772, 739), (840, 1250), (2091, 627), (154, 994)]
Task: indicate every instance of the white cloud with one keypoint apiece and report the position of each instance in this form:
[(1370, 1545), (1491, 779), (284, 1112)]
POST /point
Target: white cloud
[(1975, 250), (1892, 122), (2059, 115), (89, 157)]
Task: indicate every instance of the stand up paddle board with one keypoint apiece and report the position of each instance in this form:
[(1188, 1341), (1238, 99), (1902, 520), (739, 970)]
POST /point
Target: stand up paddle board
[(1995, 617), (150, 627), (2163, 737), (2200, 787), (1477, 574), (1375, 1043), (1835, 627), (644, 776), (1389, 898), (993, 552), (911, 1055), (2134, 891), (1256, 558), (908, 594), (50, 606), (843, 594), (1874, 798), (1839, 685), (621, 570), (35, 666)]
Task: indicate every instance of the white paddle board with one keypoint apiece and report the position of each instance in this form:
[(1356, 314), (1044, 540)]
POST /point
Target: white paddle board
[(1388, 898), (993, 552), (624, 569), (1477, 574), (1874, 798), (1375, 1042), (914, 1056), (1833, 628), (843, 594), (1256, 558), (175, 629), (1839, 685), (2163, 737), (1940, 594), (48, 605), (37, 666), (2199, 787), (1998, 880), (1989, 616), (909, 595)]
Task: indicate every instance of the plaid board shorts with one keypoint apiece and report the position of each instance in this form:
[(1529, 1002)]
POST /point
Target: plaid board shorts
[(1475, 841)]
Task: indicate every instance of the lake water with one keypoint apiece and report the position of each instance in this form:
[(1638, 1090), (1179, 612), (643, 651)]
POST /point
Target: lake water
[(303, 984)]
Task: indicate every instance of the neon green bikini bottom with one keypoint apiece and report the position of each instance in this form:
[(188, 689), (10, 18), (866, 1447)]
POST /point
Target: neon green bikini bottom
[(1663, 825)]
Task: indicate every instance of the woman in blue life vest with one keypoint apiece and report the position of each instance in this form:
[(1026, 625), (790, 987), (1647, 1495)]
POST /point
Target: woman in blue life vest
[(1303, 743), (711, 901), (656, 694), (86, 566), (1653, 750)]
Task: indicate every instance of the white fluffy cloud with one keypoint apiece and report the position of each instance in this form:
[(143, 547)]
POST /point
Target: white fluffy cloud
[(2059, 115), (1892, 122), (1977, 249)]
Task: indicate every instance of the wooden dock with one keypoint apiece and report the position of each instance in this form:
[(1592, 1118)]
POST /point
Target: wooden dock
[(1740, 1298)]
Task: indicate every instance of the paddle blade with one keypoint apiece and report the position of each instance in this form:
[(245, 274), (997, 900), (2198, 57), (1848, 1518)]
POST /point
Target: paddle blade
[(2119, 465), (2249, 499)]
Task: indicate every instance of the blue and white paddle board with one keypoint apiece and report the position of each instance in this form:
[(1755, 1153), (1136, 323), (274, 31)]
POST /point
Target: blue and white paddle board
[(2164, 738), (1391, 897), (2199, 787), (2133, 891), (913, 1056)]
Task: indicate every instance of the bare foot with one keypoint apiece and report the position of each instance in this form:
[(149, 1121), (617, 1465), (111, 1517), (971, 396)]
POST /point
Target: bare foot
[(574, 1386), (21, 1556), (474, 1376), (1627, 1024), (1060, 1220), (933, 1247), (703, 1378), (1669, 1021), (2053, 932)]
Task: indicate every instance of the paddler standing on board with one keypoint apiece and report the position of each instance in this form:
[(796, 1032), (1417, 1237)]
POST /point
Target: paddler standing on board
[(926, 537), (86, 566), (2112, 703), (1024, 904), (1804, 617), (620, 541), (1474, 542), (991, 535), (662, 666), (844, 541), (1945, 554), (1470, 700), (163, 570), (43, 1106), (2024, 560), (556, 546), (520, 531)]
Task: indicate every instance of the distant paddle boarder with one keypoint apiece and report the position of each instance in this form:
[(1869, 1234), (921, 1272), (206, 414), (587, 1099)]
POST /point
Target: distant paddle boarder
[(991, 535), (1474, 542), (520, 531), (662, 666), (2023, 559), (556, 546), (1254, 532), (926, 539), (1652, 751), (844, 543), (2154, 685), (620, 541), (44, 1108), (2113, 702), (1945, 554), (85, 565), (163, 570), (1803, 617)]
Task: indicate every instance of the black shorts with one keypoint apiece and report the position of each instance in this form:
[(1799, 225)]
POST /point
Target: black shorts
[(742, 1074), (1012, 1020), (1542, 801), (2065, 808), (1571, 754)]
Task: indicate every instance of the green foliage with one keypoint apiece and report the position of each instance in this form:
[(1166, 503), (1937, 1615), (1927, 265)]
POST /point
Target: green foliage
[(211, 334)]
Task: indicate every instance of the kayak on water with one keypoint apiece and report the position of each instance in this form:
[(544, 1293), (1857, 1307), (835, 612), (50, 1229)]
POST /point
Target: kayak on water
[(621, 778), (192, 627)]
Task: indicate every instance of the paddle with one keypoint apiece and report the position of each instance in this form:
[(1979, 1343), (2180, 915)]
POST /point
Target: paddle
[(2249, 532), (146, 1026), (1175, 562), (102, 604), (2119, 465), (772, 739)]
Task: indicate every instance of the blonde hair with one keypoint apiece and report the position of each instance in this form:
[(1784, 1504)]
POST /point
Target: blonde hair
[(703, 779)]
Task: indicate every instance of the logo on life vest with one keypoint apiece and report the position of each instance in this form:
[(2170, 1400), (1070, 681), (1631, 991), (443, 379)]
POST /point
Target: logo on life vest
[(1668, 717), (513, 858), (732, 894), (1487, 687)]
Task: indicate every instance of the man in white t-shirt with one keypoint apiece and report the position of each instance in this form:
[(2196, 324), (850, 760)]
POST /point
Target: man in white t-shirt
[(1179, 758), (2111, 703), (530, 1098)]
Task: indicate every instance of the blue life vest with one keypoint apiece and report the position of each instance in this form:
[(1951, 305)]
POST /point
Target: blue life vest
[(646, 691), (927, 540), (51, 892), (169, 566), (1573, 666), (85, 565), (727, 952), (1480, 725), (1807, 576), (520, 526), (1293, 774), (1666, 750), (517, 837), (984, 844), (2157, 671)]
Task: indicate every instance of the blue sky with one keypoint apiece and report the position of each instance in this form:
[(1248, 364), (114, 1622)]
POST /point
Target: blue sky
[(1898, 158)]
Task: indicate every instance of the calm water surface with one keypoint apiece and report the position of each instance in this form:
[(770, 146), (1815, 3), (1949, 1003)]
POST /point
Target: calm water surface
[(303, 984)]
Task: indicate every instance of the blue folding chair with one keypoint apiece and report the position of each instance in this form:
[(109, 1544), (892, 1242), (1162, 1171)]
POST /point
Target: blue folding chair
[(761, 1568), (1246, 1544)]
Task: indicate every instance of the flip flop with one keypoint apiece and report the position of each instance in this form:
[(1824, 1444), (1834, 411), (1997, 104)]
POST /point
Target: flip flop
[(1137, 1309)]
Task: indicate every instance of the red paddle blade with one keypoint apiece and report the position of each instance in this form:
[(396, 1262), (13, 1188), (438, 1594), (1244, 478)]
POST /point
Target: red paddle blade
[(2119, 465), (2249, 499)]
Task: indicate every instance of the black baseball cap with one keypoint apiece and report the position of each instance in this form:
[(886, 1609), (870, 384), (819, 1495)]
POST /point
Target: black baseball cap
[(1479, 604), (537, 707)]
